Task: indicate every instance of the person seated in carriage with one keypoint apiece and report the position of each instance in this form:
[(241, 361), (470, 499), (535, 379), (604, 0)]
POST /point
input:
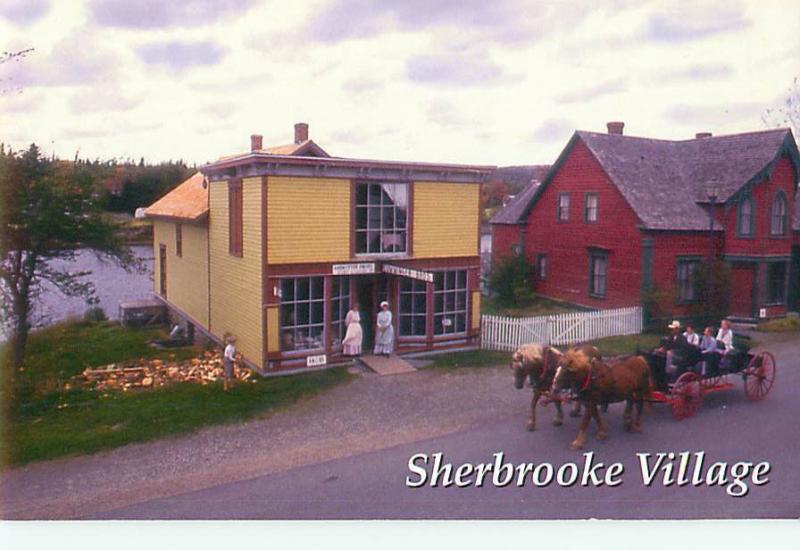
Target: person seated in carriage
[(710, 352), (726, 345), (678, 353), (692, 338)]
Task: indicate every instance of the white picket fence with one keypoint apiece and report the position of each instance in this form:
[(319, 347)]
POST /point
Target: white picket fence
[(502, 333)]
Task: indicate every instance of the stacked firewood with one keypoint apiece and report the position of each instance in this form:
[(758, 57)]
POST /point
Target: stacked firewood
[(155, 373)]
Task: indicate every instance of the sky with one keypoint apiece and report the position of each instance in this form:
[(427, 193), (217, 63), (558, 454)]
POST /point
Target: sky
[(467, 81)]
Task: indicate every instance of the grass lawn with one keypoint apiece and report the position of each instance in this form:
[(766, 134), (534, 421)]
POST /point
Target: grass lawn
[(626, 345), (47, 422), (787, 324), (533, 307)]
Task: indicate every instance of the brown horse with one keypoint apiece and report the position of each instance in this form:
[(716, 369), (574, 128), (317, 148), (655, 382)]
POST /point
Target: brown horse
[(539, 364), (599, 384)]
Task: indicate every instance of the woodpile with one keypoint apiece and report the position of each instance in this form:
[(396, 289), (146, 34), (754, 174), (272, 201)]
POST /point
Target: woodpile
[(155, 373)]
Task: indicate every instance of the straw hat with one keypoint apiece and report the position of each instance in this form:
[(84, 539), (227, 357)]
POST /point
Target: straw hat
[(674, 324)]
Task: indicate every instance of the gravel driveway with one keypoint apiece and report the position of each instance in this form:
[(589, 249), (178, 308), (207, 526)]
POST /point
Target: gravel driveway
[(370, 413)]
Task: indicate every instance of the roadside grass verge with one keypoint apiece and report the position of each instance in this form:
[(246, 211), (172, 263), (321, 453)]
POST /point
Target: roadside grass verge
[(786, 324), (528, 308), (627, 345), (45, 421)]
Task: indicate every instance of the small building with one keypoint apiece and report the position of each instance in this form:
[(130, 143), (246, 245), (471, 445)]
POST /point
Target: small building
[(273, 245), (619, 220)]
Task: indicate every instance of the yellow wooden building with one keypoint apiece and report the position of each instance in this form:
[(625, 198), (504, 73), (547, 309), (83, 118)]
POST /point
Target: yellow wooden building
[(273, 246)]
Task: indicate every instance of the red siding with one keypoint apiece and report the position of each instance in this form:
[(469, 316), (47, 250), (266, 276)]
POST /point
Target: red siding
[(504, 237), (763, 194), (567, 243), (668, 247)]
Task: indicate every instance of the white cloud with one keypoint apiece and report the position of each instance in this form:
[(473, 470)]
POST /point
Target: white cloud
[(483, 82)]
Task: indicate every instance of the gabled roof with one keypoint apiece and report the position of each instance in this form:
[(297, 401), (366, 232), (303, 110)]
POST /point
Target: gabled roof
[(665, 182), (187, 202), (305, 148), (512, 213)]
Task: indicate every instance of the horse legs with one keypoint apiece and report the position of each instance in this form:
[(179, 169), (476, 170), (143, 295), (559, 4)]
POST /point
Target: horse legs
[(532, 418), (602, 430), (628, 421), (637, 426), (584, 424), (559, 419), (576, 410)]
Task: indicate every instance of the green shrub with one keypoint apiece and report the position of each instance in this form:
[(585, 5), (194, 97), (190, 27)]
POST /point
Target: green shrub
[(95, 314), (787, 324), (512, 280)]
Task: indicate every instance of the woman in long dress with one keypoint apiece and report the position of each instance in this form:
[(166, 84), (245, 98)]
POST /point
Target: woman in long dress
[(351, 344), (384, 337)]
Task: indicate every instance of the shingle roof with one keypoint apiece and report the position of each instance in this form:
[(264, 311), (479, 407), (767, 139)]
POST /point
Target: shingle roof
[(304, 148), (188, 201), (665, 181), (513, 212)]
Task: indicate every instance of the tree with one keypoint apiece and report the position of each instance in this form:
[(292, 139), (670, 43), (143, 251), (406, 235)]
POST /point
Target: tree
[(788, 114), (48, 210), (511, 280)]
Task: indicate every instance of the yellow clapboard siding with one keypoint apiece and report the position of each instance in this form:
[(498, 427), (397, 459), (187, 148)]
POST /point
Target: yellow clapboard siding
[(273, 330), (236, 294), (187, 275), (476, 310), (308, 220), (445, 219)]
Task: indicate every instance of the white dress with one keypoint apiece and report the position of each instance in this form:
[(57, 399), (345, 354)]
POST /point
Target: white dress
[(384, 339), (351, 345)]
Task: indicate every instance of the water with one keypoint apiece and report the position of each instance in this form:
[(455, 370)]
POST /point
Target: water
[(112, 285)]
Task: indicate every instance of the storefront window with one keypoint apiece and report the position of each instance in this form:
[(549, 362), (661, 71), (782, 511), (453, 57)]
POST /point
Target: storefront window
[(450, 293), (302, 313), (381, 218), (340, 305), (413, 307)]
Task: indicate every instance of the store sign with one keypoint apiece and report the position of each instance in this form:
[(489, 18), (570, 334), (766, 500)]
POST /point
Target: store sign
[(316, 360), (762, 313), (365, 268), (408, 272)]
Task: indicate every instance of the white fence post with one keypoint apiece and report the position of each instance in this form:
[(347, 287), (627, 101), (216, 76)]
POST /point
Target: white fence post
[(503, 333)]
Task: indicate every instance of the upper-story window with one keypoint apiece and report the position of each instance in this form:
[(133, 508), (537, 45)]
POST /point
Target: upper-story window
[(778, 219), (590, 207), (744, 221), (235, 221), (562, 208), (179, 240), (381, 218)]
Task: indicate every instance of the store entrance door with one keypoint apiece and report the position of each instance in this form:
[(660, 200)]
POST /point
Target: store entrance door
[(365, 294)]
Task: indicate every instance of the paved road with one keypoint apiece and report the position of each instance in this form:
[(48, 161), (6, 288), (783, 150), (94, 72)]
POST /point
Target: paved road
[(372, 485)]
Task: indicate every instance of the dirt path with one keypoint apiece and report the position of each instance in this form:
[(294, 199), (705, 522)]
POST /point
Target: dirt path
[(370, 413)]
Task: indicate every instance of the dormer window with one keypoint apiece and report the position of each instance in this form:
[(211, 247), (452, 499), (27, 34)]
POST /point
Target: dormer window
[(381, 218), (744, 222), (778, 218)]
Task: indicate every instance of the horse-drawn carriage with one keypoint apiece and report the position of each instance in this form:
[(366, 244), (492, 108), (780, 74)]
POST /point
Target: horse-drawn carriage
[(698, 375)]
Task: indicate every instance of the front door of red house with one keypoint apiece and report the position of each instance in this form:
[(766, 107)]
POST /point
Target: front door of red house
[(743, 278), (162, 270)]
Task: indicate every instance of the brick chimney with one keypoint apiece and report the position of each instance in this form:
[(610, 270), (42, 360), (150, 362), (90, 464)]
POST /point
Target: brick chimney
[(702, 135), (300, 132), (256, 142), (615, 127)]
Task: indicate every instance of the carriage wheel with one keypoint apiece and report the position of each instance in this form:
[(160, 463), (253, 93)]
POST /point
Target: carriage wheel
[(759, 376), (686, 395)]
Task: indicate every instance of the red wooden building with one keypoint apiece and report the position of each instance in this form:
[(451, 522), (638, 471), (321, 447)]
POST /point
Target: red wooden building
[(618, 218)]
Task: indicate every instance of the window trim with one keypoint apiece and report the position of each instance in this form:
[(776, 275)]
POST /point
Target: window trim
[(235, 218), (466, 311), (179, 240), (541, 256), (586, 197), (748, 199), (407, 230), (598, 253), (697, 260), (784, 292), (325, 305), (780, 197), (566, 209), (401, 314)]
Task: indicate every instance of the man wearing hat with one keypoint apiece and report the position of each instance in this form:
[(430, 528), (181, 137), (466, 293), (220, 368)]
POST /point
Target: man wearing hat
[(675, 345)]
